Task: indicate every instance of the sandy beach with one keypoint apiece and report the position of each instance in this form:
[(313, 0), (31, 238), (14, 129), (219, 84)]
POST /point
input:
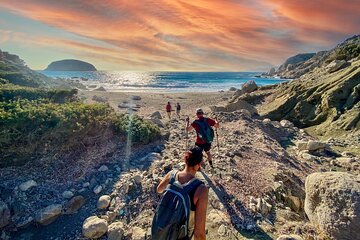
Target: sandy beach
[(151, 102)]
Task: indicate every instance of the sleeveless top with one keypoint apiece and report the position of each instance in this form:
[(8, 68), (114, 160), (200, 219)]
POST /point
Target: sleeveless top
[(192, 206)]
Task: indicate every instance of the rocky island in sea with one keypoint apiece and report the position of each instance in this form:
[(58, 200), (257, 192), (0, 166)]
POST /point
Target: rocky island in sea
[(70, 65)]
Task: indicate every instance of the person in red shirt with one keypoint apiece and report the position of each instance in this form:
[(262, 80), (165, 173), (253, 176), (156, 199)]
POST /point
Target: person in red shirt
[(206, 146), (168, 110)]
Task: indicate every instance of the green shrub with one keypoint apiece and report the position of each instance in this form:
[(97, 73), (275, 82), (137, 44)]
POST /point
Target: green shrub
[(32, 128), (9, 92)]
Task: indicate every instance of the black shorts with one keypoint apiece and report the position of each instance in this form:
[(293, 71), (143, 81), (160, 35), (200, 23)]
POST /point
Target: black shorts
[(206, 146)]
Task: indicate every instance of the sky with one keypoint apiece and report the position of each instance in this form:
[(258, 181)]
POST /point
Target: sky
[(174, 35)]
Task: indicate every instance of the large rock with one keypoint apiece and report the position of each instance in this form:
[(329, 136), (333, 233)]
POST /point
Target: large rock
[(235, 106), (315, 145), (74, 204), (333, 203), (94, 227), (4, 214), (48, 214), (27, 185), (336, 65), (115, 231), (156, 115)]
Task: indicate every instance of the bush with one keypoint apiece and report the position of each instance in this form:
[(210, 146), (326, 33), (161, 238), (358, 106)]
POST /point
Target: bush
[(31, 128), (9, 92)]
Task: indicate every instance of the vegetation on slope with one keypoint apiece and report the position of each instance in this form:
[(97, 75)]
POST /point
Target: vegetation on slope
[(36, 122)]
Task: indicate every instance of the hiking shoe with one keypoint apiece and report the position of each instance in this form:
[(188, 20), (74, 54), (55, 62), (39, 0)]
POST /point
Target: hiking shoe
[(211, 164)]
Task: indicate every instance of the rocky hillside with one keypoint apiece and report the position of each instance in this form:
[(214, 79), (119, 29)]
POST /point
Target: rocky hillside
[(301, 64), (14, 70), (325, 98), (70, 65)]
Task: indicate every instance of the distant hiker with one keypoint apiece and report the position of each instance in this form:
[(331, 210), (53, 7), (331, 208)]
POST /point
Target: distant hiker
[(181, 213), (168, 110), (178, 109), (204, 132)]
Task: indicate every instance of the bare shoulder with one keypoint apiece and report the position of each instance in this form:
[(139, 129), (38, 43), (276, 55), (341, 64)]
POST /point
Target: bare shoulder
[(202, 191)]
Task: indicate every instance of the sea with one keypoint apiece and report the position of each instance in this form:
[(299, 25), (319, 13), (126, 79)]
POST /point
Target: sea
[(126, 81)]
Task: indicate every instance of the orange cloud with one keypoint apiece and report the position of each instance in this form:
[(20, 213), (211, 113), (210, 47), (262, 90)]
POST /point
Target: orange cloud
[(195, 35)]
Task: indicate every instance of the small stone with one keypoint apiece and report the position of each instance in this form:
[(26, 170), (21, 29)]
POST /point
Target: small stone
[(27, 185), (94, 227), (97, 189), (138, 233), (103, 202), (103, 168), (115, 231), (137, 179), (289, 237), (67, 194), (25, 223), (87, 184), (4, 214), (222, 230)]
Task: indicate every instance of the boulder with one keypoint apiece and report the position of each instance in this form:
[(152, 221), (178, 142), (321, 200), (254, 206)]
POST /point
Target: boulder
[(157, 122), (336, 65), (249, 86), (115, 231), (101, 89), (315, 145), (48, 214), (94, 227), (99, 99), (333, 203), (27, 185), (232, 89), (4, 214), (136, 98), (156, 115), (235, 106), (74, 204), (103, 202), (286, 123)]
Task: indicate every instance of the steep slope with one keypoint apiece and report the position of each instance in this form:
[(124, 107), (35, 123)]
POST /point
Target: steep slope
[(14, 70), (327, 96), (301, 64), (70, 65)]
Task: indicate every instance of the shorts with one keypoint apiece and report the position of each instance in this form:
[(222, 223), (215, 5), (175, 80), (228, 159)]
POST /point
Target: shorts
[(206, 146)]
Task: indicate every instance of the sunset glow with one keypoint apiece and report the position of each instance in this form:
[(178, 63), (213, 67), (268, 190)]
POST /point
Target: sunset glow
[(174, 35)]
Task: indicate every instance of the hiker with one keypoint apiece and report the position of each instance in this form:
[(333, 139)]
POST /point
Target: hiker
[(168, 110), (170, 221), (204, 132), (178, 108)]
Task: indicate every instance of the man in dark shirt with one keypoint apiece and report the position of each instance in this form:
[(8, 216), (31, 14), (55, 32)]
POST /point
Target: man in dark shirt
[(200, 141)]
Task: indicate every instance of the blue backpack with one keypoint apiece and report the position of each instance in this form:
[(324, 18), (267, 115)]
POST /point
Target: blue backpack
[(171, 219), (206, 133)]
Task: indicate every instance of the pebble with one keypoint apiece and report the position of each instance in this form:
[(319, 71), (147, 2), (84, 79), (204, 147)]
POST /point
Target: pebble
[(98, 189)]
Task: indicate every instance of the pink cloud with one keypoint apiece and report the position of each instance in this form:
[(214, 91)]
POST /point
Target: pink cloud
[(201, 34)]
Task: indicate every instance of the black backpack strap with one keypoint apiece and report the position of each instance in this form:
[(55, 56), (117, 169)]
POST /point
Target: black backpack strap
[(173, 176), (193, 184)]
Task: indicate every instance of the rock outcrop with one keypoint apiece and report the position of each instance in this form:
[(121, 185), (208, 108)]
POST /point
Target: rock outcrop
[(333, 203), (326, 97)]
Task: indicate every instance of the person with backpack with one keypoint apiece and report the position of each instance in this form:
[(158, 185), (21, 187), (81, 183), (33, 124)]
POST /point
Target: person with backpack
[(204, 132), (178, 109), (181, 213), (168, 109)]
